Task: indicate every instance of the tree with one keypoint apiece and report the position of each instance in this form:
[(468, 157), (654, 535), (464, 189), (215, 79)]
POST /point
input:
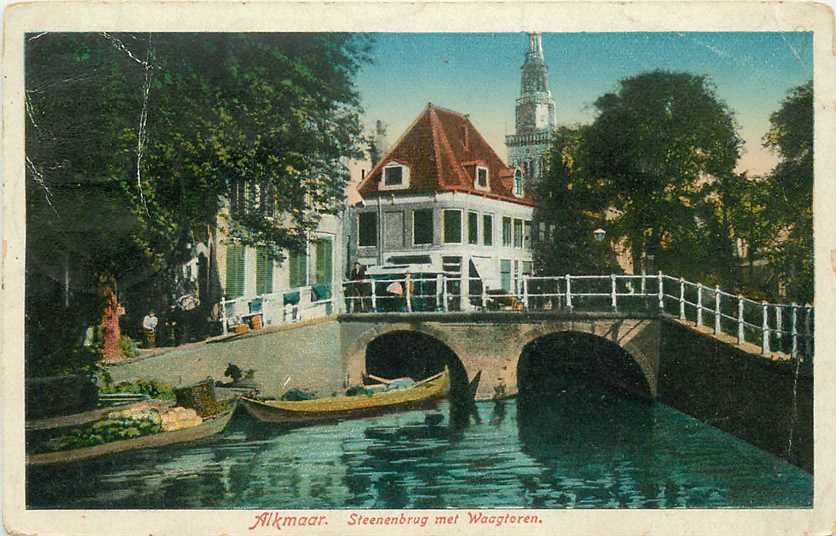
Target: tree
[(570, 205), (790, 185), (659, 145), (136, 142)]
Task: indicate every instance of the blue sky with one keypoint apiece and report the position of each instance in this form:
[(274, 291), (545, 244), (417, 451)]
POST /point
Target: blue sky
[(479, 74)]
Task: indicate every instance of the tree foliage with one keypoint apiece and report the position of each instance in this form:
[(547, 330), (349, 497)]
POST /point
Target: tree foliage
[(135, 143), (659, 143), (790, 186)]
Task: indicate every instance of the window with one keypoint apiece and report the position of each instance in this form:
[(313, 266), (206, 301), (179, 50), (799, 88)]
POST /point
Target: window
[(267, 198), (367, 229), (395, 177), (518, 233), (505, 275), (506, 232), (452, 226), (487, 229), (527, 267), (297, 264), (482, 177), (526, 234), (263, 271), (451, 264), (472, 228), (518, 183), (422, 226), (324, 261), (235, 271), (237, 197), (393, 230)]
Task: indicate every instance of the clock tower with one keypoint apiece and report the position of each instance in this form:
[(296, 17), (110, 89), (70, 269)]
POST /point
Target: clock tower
[(535, 117)]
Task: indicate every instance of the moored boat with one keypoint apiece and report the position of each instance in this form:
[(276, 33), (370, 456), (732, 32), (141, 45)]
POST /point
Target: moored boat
[(422, 394), (209, 427)]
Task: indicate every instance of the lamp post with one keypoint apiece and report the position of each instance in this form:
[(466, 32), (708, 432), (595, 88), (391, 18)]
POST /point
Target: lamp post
[(599, 235)]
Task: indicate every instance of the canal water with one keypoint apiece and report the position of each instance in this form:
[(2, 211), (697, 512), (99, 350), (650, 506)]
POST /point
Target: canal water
[(575, 448)]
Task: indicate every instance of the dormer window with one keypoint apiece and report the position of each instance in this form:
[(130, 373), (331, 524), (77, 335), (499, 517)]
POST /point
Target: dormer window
[(518, 183), (395, 177), (482, 179)]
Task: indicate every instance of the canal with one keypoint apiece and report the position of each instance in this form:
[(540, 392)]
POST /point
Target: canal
[(574, 445)]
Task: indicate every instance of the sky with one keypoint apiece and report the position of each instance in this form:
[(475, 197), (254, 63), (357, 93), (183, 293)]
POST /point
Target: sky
[(479, 74)]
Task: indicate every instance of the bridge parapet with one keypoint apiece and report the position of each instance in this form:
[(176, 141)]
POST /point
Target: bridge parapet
[(781, 331)]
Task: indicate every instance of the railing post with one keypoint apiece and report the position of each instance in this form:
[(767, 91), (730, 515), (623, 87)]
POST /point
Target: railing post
[(568, 291), (717, 313), (224, 328), (661, 293), (613, 292), (741, 336), (407, 283), (681, 298), (644, 283), (699, 305), (808, 332), (765, 329), (484, 295), (444, 293), (525, 292), (374, 296), (439, 282), (794, 329), (779, 325)]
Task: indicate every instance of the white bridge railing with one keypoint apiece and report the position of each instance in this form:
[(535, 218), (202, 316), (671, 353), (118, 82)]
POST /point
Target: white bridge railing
[(774, 327)]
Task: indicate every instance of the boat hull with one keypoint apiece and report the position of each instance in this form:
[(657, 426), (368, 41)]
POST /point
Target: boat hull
[(208, 428), (348, 407)]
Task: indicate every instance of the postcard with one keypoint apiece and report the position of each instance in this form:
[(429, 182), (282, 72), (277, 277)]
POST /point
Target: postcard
[(426, 268)]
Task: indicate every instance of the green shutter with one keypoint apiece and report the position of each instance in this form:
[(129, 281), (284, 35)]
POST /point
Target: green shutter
[(324, 261), (263, 272), (298, 268), (234, 271)]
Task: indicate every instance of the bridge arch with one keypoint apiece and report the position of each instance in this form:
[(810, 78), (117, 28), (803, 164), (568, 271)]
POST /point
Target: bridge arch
[(380, 343), (574, 353)]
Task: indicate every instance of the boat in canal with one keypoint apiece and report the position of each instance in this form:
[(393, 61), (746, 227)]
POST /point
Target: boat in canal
[(422, 394), (210, 426)]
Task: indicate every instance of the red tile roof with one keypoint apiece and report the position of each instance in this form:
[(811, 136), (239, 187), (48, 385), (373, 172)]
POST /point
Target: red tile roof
[(442, 149)]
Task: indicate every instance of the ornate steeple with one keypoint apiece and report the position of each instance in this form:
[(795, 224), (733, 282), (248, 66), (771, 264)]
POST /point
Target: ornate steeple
[(535, 107), (535, 113)]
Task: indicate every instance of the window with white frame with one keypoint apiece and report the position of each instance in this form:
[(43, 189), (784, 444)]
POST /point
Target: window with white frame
[(452, 223), (482, 178), (518, 183), (395, 177)]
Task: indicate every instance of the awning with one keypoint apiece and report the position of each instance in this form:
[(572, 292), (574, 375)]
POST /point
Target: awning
[(488, 271)]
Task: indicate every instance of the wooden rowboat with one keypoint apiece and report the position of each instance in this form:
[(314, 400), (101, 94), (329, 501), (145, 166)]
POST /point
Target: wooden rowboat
[(209, 427), (422, 394)]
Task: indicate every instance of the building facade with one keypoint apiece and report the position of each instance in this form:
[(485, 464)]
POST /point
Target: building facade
[(441, 194), (302, 285), (535, 114)]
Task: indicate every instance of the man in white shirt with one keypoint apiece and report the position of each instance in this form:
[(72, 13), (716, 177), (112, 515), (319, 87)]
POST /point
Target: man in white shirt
[(149, 329)]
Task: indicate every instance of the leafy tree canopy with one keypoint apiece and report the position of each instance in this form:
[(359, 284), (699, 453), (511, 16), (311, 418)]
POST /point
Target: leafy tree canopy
[(136, 142), (654, 145)]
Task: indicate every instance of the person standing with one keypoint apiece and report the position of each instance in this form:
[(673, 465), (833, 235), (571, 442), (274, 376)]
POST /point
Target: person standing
[(149, 329)]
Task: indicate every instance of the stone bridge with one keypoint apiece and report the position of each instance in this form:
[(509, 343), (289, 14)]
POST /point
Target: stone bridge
[(494, 342)]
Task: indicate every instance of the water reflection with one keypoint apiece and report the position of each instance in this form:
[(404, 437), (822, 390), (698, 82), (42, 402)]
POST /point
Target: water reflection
[(580, 447)]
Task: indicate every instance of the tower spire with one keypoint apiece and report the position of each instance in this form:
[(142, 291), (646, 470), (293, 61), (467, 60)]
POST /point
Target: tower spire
[(535, 47)]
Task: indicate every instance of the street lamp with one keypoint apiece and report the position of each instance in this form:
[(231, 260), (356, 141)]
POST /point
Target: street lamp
[(599, 235)]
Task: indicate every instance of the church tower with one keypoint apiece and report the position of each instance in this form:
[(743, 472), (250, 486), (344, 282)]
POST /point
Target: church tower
[(535, 118)]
